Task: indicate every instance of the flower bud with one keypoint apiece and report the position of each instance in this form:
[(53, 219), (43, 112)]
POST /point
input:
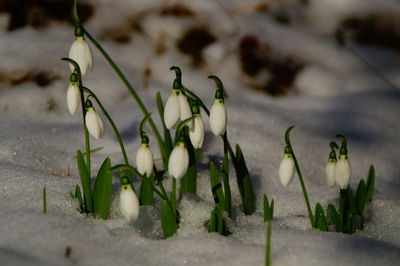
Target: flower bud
[(73, 97), (128, 201), (80, 52), (218, 118), (286, 169), (178, 161), (94, 123), (342, 172), (330, 172), (172, 110), (196, 134), (144, 160)]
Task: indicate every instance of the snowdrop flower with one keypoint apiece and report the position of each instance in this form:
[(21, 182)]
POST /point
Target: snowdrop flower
[(196, 134), (73, 94), (128, 201), (80, 52), (343, 169), (144, 157), (177, 107), (286, 168), (178, 160), (218, 117), (93, 121), (331, 165)]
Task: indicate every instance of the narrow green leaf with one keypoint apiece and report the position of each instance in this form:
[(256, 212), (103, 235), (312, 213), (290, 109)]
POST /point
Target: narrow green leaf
[(78, 196), (268, 209), (168, 220), (352, 201), (146, 195), (244, 182), (216, 186), (212, 227), (44, 199), (333, 217), (320, 220), (85, 181), (361, 196), (371, 182), (103, 189), (220, 220), (167, 135), (188, 183)]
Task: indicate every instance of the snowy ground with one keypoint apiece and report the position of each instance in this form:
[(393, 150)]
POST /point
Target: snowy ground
[(334, 93)]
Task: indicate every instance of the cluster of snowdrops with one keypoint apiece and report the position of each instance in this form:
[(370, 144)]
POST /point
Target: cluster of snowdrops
[(180, 155)]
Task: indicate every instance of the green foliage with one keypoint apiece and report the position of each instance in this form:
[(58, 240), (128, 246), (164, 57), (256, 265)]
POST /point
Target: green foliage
[(85, 181), (217, 222), (268, 209), (103, 189), (168, 220), (216, 186), (244, 182), (146, 195)]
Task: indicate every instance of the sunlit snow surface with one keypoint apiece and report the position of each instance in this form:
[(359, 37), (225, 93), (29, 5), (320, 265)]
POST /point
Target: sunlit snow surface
[(336, 93)]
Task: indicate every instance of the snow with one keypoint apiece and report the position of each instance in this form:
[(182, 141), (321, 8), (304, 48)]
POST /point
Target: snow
[(334, 93)]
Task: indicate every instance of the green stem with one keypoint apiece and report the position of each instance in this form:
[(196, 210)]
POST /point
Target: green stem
[(268, 243), (115, 129), (174, 196), (134, 95), (44, 200), (303, 187)]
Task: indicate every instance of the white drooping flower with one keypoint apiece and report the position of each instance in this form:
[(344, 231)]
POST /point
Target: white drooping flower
[(178, 161), (172, 110), (286, 169), (218, 117), (342, 171), (144, 160), (94, 123), (330, 172), (73, 97), (185, 111), (80, 52), (196, 134), (129, 202)]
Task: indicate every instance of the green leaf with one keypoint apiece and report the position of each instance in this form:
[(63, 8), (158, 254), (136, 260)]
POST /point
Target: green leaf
[(78, 196), (361, 196), (217, 222), (167, 135), (370, 182), (216, 186), (244, 182), (352, 201), (212, 226), (146, 195), (85, 181), (320, 220), (103, 189), (189, 180), (333, 217), (268, 209), (168, 220)]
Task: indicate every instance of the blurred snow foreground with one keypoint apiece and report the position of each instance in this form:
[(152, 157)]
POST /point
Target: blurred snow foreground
[(332, 91)]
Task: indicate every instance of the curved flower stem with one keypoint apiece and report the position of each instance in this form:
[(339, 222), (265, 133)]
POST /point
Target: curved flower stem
[(116, 132), (85, 130), (130, 88), (268, 233), (303, 187)]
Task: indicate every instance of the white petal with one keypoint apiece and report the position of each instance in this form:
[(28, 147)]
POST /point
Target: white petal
[(94, 124), (286, 170), (330, 173), (129, 203), (196, 134), (342, 173), (171, 111), (144, 160), (185, 111), (218, 118), (73, 98), (178, 162), (81, 53)]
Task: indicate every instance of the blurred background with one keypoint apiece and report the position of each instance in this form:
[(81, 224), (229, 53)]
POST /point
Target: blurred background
[(280, 47)]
